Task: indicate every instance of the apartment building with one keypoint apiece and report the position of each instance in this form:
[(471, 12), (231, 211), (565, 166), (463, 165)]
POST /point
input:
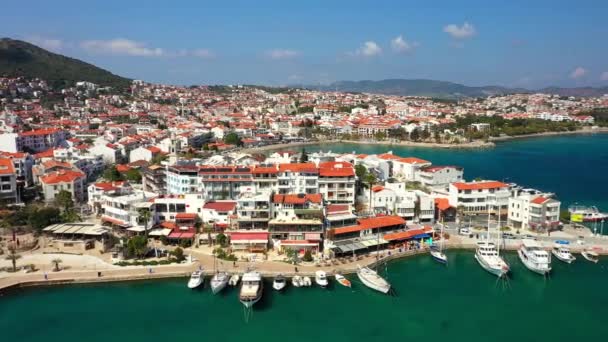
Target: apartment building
[(534, 211), (297, 221), (23, 163), (8, 181), (69, 180), (254, 210), (480, 197), (124, 210), (33, 141), (154, 178), (182, 179), (439, 176), (298, 178), (337, 182), (223, 183)]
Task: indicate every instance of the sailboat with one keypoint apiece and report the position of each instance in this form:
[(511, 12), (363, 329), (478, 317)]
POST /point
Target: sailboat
[(371, 278), (487, 255), (437, 251), (219, 279)]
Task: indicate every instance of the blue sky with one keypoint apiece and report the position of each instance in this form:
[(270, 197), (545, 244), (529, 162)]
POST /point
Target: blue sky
[(474, 42)]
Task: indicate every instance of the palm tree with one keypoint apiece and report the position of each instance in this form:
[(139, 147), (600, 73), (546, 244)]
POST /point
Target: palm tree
[(460, 213), (369, 180), (144, 216), (56, 262), (13, 257)]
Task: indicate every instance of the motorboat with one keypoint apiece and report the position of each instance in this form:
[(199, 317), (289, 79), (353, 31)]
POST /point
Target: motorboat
[(196, 279), (252, 286), (342, 280), (591, 255), (279, 282), (586, 214), (321, 278), (438, 255), (373, 280), (488, 258), (296, 281), (562, 252), (219, 281), (234, 280), (534, 256), (306, 281)]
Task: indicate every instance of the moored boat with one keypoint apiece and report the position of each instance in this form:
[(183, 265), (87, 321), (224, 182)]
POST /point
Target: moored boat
[(342, 280), (279, 282), (196, 279), (534, 257), (296, 281), (321, 278), (562, 252), (306, 281), (371, 279), (234, 280), (219, 282), (438, 255), (252, 286), (580, 213), (488, 258), (591, 255)]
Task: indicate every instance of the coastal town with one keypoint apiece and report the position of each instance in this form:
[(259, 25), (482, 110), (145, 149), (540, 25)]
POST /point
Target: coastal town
[(158, 175)]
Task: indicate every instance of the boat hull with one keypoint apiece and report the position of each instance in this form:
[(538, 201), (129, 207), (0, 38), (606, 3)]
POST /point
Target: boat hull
[(531, 266), (439, 257), (593, 260), (194, 285), (499, 272), (562, 258), (378, 287)]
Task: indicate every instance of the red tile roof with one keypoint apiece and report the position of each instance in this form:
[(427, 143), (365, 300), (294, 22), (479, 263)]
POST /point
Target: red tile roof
[(479, 185), (413, 160), (236, 236), (220, 206), (185, 216), (336, 169), (63, 176), (371, 223), (336, 208), (442, 203), (540, 200), (298, 167), (44, 131), (297, 199), (6, 166), (407, 234), (107, 186)]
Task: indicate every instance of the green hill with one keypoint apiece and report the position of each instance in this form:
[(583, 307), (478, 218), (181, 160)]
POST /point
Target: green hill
[(19, 58)]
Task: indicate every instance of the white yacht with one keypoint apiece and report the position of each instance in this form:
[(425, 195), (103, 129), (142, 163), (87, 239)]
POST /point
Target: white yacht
[(321, 278), (234, 280), (252, 286), (279, 282), (487, 256), (587, 214), (196, 279), (534, 257), (371, 279), (590, 255), (562, 252), (342, 280), (296, 281), (219, 281), (306, 281)]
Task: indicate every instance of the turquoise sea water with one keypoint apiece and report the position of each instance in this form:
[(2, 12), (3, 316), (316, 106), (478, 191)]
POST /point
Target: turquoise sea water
[(433, 303), (575, 167)]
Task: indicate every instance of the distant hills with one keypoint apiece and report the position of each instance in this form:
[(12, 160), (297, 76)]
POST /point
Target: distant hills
[(19, 58), (448, 90)]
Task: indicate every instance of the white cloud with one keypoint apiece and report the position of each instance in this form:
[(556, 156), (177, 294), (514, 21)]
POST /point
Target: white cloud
[(460, 32), (604, 76), (401, 45), (369, 49), (46, 43), (121, 46), (282, 54), (578, 73), (203, 53)]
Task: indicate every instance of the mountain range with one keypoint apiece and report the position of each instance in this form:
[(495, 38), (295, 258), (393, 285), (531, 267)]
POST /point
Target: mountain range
[(448, 90), (19, 58)]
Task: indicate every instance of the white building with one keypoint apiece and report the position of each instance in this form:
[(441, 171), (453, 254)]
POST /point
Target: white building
[(68, 180), (439, 176), (480, 197), (533, 211)]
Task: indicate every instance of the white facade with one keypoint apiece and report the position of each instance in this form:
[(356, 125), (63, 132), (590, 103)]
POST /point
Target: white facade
[(439, 176), (480, 197), (533, 211)]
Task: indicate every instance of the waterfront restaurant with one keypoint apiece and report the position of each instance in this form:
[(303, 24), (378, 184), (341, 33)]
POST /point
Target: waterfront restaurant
[(363, 237)]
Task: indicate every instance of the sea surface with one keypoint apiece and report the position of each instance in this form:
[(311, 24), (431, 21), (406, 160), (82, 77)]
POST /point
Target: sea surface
[(574, 167), (460, 302)]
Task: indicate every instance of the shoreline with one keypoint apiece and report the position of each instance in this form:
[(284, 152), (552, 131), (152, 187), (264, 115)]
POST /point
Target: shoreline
[(130, 274), (477, 144)]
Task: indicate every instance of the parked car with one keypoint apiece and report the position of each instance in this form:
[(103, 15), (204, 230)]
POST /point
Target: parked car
[(464, 231), (508, 236)]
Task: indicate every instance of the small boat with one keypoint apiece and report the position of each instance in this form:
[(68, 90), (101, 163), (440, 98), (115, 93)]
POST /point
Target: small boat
[(321, 278), (591, 255), (534, 257), (279, 282), (234, 280), (306, 281), (371, 279), (196, 279), (562, 252), (252, 286), (296, 281), (586, 214), (219, 282), (438, 255), (342, 280)]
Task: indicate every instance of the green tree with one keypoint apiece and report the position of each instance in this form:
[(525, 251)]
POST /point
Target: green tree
[(415, 135), (233, 139), (178, 253), (143, 216), (56, 262), (13, 257), (111, 174), (137, 246), (222, 239), (64, 200), (360, 171), (304, 156), (307, 256), (133, 175), (369, 181), (43, 217)]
